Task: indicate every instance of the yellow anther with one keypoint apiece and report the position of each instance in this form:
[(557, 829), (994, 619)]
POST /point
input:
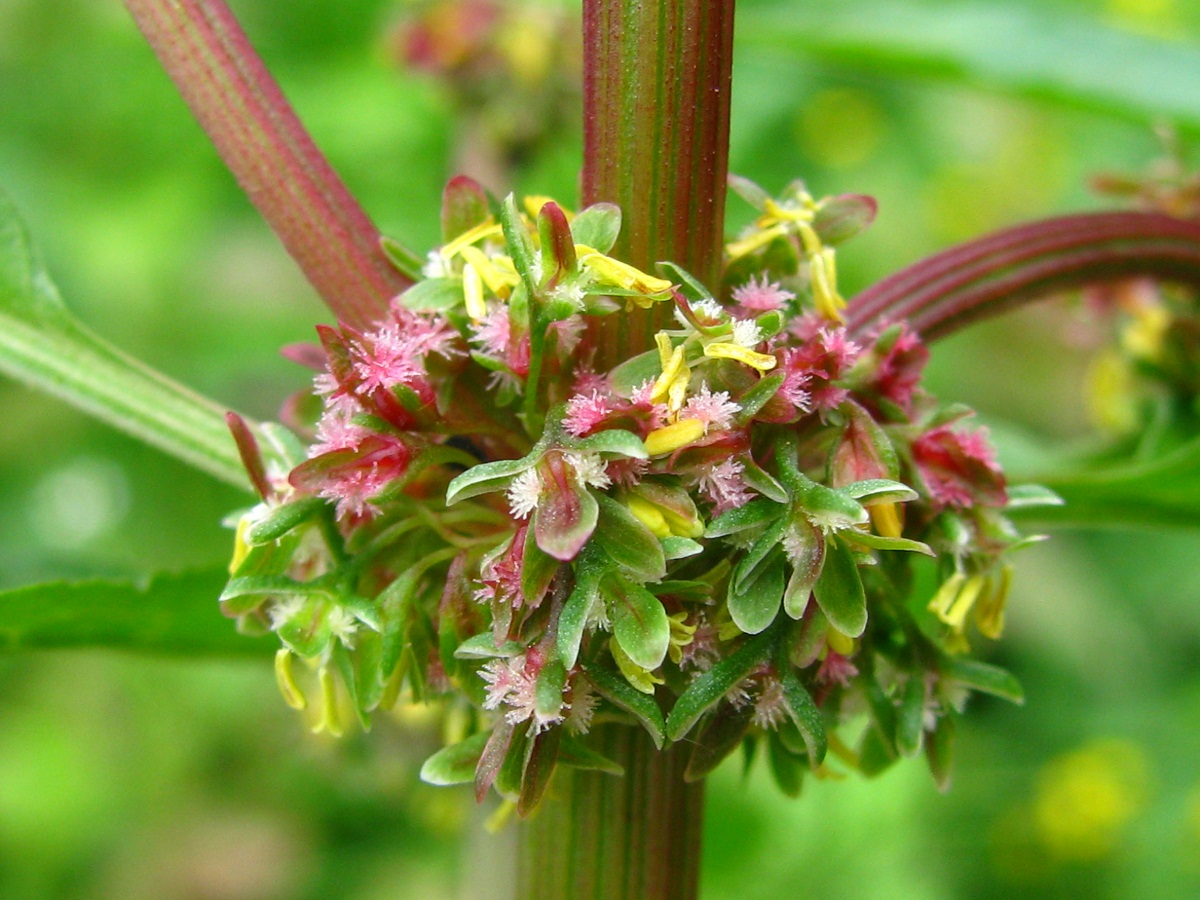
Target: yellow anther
[(990, 607), (886, 519), (622, 275), (292, 695), (823, 273), (839, 643), (241, 547), (473, 293), (674, 372), (470, 236), (671, 437), (682, 634), (764, 362), (955, 598), (649, 515), (754, 241), (642, 679), (773, 212), (329, 721), (498, 273), (535, 202)]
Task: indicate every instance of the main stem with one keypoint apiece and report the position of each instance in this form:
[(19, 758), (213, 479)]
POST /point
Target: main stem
[(656, 89), (656, 142)]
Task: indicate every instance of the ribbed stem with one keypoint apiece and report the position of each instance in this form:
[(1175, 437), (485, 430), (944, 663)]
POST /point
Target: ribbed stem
[(602, 837), (656, 139), (239, 105), (990, 275)]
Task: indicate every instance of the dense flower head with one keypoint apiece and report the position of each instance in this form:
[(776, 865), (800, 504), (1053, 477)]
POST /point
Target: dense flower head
[(723, 525)]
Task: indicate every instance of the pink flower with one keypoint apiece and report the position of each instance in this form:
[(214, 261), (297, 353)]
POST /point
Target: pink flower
[(715, 411), (769, 706), (513, 683), (352, 476), (959, 468), (755, 297), (897, 369), (724, 485), (495, 337), (823, 356), (586, 412), (836, 669), (500, 575)]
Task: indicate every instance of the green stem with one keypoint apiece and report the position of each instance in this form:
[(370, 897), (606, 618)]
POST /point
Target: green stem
[(603, 837), (656, 141), (239, 105)]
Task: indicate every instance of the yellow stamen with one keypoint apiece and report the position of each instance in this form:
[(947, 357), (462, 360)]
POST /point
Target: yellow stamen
[(241, 546), (292, 695), (886, 519), (329, 721), (839, 643), (473, 293), (989, 609), (681, 635), (498, 274), (671, 437), (764, 362), (649, 515), (623, 275), (642, 679), (754, 241), (470, 236)]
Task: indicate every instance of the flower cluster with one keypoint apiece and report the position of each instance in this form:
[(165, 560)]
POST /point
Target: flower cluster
[(758, 527)]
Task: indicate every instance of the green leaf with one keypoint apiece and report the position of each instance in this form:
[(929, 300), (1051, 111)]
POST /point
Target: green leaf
[(689, 285), (720, 736), (611, 440), (628, 542), (910, 719), (433, 295), (283, 519), (520, 244), (879, 490), (842, 217), (755, 593), (597, 226), (707, 690), (42, 344), (574, 753), (408, 263), (786, 769), (573, 619), (680, 547), (981, 676), (455, 764), (540, 759), (174, 614), (483, 646), (613, 687), (1020, 50), (805, 714), (640, 624), (880, 542), (487, 477), (839, 590), (756, 512)]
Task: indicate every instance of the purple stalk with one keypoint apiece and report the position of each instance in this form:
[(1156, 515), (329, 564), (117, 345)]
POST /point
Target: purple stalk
[(239, 105), (992, 274)]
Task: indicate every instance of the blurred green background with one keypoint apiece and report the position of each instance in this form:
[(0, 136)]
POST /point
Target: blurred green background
[(134, 777)]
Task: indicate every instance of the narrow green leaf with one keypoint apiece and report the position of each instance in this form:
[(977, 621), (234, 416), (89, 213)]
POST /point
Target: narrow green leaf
[(879, 542), (455, 764), (42, 344), (720, 736), (611, 440), (786, 769), (806, 716), (910, 719), (283, 519), (573, 619), (172, 614), (433, 295), (756, 512), (981, 676), (613, 687), (483, 646), (487, 477), (574, 753), (707, 690), (540, 759)]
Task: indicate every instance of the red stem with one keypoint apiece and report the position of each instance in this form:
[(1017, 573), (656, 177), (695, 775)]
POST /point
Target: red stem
[(656, 140), (239, 105), (990, 275)]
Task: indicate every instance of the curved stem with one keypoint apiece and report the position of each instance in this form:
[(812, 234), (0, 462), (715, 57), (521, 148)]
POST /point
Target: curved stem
[(239, 105), (992, 274)]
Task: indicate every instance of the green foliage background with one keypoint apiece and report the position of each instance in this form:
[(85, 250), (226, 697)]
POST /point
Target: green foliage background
[(132, 777)]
